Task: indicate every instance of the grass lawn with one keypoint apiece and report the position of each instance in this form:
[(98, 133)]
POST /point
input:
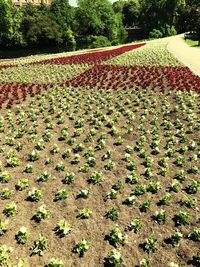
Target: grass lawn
[(191, 42)]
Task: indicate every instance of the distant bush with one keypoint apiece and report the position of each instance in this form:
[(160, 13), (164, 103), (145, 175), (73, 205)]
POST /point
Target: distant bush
[(100, 41), (155, 33)]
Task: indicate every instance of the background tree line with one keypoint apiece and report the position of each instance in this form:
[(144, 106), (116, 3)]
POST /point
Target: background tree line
[(93, 23)]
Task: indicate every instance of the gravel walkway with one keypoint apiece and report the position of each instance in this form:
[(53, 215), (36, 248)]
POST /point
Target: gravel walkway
[(189, 56)]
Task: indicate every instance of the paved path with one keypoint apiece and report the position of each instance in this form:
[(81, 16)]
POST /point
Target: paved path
[(189, 56)]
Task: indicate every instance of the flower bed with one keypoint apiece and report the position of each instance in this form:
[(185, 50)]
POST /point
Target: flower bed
[(118, 77), (93, 57)]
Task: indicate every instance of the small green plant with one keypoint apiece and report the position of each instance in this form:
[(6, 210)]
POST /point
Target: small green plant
[(76, 159), (181, 176), (3, 226), (144, 263), (160, 216), (4, 255), (114, 258), (154, 187), (10, 209), (116, 237), (63, 228), (61, 195), (110, 165), (41, 214), (112, 214), (196, 259), (129, 200), (194, 169), (55, 149), (135, 225), (96, 177), (85, 213), (6, 194), (40, 245), (66, 153), (182, 218), (145, 206), (55, 262), (140, 190), (4, 177), (22, 184), (82, 247), (112, 194), (35, 195), (175, 186), (43, 177), (117, 186), (28, 168), (175, 239), (149, 245), (84, 193), (69, 178), (131, 166), (22, 235), (193, 187), (60, 167), (195, 235), (188, 202), (165, 200), (34, 155), (107, 155)]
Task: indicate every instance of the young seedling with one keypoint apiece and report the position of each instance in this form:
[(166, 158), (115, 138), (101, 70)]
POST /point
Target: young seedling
[(22, 235), (61, 195), (165, 200), (117, 186), (193, 187), (160, 216), (6, 194), (22, 184), (43, 177), (4, 177), (149, 245), (82, 247), (55, 262), (96, 177), (195, 235), (3, 226), (135, 225), (114, 258), (41, 214), (63, 228), (60, 167), (40, 245), (139, 190), (84, 193), (69, 178), (35, 195), (116, 237), (182, 218), (144, 263), (145, 206), (112, 214), (112, 194), (175, 239), (85, 213), (129, 201), (5, 255), (10, 209)]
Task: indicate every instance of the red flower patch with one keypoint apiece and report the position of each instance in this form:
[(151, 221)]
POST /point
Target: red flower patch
[(120, 77), (94, 57)]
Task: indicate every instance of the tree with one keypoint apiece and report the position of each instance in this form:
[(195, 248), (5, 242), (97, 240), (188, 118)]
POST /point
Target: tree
[(5, 23), (40, 30), (63, 14), (131, 12), (97, 17)]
